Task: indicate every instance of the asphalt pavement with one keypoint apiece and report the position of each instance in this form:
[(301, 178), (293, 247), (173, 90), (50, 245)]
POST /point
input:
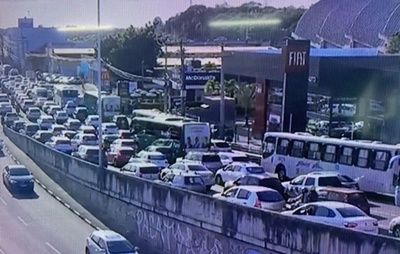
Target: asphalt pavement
[(38, 223)]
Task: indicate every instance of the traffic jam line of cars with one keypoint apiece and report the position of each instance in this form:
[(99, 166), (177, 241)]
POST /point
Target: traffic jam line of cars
[(243, 182)]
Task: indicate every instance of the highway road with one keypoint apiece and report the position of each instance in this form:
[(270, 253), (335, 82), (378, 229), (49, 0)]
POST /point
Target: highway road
[(38, 223)]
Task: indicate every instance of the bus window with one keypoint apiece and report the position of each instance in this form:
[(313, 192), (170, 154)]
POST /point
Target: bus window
[(397, 152), (269, 147), (329, 153), (346, 156), (297, 149), (313, 151), (381, 159), (363, 158), (283, 147)]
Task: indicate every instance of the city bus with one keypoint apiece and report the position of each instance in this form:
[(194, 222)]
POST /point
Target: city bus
[(65, 93), (290, 155), (50, 89), (155, 113), (111, 104), (192, 136)]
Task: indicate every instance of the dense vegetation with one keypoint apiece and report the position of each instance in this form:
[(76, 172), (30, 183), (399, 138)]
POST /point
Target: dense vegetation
[(194, 23)]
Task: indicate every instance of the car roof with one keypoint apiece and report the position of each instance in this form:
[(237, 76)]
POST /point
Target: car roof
[(109, 124), (61, 138), (232, 154), (57, 125), (90, 147), (143, 164), (87, 127), (124, 148), (108, 235), (324, 173), (16, 167), (245, 164), (46, 117), (254, 188), (124, 139), (186, 162), (332, 204)]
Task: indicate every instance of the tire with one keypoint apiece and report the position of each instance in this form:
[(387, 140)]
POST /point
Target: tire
[(218, 180), (396, 231), (87, 251), (281, 172)]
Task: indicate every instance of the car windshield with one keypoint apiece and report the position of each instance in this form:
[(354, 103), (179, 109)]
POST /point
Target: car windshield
[(329, 181), (222, 145), (149, 170), (63, 142), (127, 152), (357, 198), (345, 179), (157, 157), (197, 168), (19, 172), (89, 138), (62, 114), (240, 159), (11, 115), (32, 127), (94, 118), (125, 134), (193, 180), (349, 212), (269, 196), (120, 247), (92, 152), (255, 170), (211, 158)]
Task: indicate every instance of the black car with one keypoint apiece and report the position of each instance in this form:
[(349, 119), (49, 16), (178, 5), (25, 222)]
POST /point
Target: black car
[(17, 177), (122, 122)]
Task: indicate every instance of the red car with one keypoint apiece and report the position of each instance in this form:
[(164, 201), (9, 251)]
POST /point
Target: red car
[(119, 156)]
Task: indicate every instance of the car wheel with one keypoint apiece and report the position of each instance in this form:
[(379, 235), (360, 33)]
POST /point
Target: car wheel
[(396, 231), (87, 251), (281, 172), (218, 180)]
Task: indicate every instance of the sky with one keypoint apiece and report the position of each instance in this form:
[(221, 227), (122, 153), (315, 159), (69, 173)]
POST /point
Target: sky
[(117, 13)]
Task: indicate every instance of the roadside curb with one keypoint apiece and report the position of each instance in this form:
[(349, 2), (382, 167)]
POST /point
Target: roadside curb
[(87, 221)]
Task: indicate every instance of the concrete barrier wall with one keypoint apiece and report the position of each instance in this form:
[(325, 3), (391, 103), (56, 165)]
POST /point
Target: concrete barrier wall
[(170, 220)]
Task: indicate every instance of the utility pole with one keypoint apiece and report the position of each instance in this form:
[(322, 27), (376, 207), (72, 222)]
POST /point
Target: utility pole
[(222, 101), (142, 73), (166, 82), (99, 100), (183, 87)]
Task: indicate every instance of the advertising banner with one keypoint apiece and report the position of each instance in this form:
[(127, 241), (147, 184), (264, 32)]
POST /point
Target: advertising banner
[(196, 136), (197, 80)]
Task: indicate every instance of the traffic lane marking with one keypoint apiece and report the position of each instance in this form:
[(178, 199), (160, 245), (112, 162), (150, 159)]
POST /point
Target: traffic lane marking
[(22, 221), (53, 248), (4, 202)]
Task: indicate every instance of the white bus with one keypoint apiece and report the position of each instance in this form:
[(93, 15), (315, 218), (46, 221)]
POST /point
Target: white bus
[(290, 155), (155, 113), (39, 92), (65, 93), (111, 104)]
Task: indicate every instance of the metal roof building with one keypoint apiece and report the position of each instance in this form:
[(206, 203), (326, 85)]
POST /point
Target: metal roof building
[(349, 23)]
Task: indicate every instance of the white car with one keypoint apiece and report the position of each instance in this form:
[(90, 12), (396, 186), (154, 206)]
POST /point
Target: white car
[(229, 157), (92, 120), (56, 129), (45, 122), (107, 242), (87, 129), (153, 157), (220, 146), (53, 110), (394, 227), (238, 169), (40, 101), (61, 144), (141, 169), (254, 196), (336, 214), (83, 139), (60, 117), (109, 128), (124, 142), (190, 167), (47, 104), (33, 114)]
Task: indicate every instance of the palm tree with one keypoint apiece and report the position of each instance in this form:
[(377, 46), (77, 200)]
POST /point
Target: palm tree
[(245, 98), (212, 88)]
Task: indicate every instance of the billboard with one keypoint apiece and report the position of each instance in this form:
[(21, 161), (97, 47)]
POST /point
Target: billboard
[(123, 89), (197, 80), (196, 136)]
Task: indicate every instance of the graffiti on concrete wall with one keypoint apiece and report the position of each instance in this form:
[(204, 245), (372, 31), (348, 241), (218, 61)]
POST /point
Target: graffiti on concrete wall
[(181, 238)]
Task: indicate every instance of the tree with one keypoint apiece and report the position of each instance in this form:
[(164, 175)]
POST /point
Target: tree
[(128, 49), (393, 45), (209, 66), (213, 87), (245, 94)]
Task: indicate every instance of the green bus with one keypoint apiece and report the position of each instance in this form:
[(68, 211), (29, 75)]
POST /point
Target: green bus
[(192, 136)]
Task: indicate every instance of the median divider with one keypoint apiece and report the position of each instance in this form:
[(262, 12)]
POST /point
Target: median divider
[(162, 219)]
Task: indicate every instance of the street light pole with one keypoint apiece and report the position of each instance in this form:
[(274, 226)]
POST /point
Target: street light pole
[(166, 82), (222, 101), (99, 104), (183, 87)]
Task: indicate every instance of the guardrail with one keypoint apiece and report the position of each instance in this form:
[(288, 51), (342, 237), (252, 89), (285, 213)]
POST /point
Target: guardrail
[(171, 220)]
